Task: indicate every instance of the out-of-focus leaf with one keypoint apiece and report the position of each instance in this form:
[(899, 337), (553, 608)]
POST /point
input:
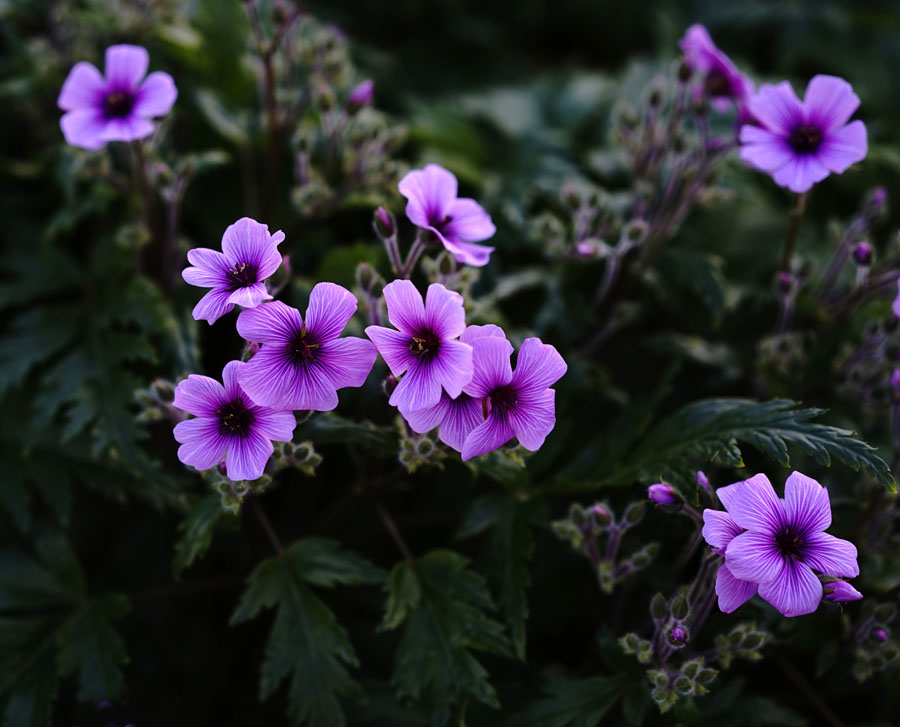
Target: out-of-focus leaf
[(329, 428), (197, 530), (572, 703)]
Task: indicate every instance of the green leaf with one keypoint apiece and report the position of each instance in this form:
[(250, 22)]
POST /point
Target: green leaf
[(573, 702), (197, 530), (329, 428), (443, 606), (306, 640), (507, 553)]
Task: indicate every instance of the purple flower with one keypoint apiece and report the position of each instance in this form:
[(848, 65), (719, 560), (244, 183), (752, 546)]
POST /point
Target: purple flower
[(249, 256), (456, 418), (457, 223), (703, 481), (517, 403), (784, 540), (880, 634), (117, 107), (723, 83), (719, 530), (361, 95), (228, 425), (301, 364), (663, 494), (424, 345), (840, 592), (799, 144)]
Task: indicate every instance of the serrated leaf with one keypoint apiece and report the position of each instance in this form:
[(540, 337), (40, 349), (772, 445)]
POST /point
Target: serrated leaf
[(507, 553), (445, 620), (573, 703), (197, 530), (306, 640)]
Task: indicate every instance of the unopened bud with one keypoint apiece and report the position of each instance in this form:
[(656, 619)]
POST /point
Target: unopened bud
[(361, 95), (634, 512), (657, 93), (680, 607), (677, 636), (663, 494), (602, 514), (877, 203), (365, 276), (683, 685), (703, 481), (384, 223), (895, 380), (880, 635), (389, 384), (841, 591), (863, 253), (659, 609)]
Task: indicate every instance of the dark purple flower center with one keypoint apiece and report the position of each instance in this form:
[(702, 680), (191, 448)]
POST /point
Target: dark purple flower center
[(805, 138), (439, 223), (242, 275), (717, 83), (425, 344), (235, 419), (302, 350), (789, 539), (503, 399), (118, 104)]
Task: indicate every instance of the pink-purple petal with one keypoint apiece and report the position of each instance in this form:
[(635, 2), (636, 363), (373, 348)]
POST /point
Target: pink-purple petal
[(250, 296), (424, 420), (777, 107), (125, 66), (330, 308), (844, 147), (467, 253), (538, 365), (128, 128), (829, 102), (719, 529), (212, 306), (430, 192), (489, 331), (202, 446), (469, 222), (452, 366), (312, 390), (732, 592), (797, 591), (274, 323), (444, 311), (276, 425), (347, 361), (393, 347), (84, 128), (247, 456), (764, 149), (800, 173), (406, 311), (268, 377), (418, 389), (199, 395), (491, 366), (82, 89), (486, 437), (753, 504), (533, 418), (155, 96), (463, 414), (806, 504), (246, 240), (754, 557), (230, 380), (830, 555)]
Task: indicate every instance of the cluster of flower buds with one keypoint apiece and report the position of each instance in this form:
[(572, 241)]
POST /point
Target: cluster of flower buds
[(875, 649), (155, 402), (586, 525), (300, 456), (689, 680), (744, 641)]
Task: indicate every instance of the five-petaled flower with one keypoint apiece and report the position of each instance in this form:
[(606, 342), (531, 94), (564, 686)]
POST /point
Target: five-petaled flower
[(301, 364), (722, 82), (425, 345), (515, 403), (228, 425), (249, 256), (456, 222), (801, 143), (775, 544), (116, 106)]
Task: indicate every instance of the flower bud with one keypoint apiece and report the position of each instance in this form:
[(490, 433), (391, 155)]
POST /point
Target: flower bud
[(841, 591), (587, 249), (785, 282), (365, 276), (384, 223), (877, 202), (703, 481), (659, 609), (663, 494), (880, 635), (361, 95), (895, 380), (680, 607), (683, 685), (684, 72), (602, 514), (863, 254), (634, 512), (677, 636)]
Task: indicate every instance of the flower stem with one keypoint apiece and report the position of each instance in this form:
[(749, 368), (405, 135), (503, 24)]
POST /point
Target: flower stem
[(790, 241), (415, 252), (266, 525), (392, 529)]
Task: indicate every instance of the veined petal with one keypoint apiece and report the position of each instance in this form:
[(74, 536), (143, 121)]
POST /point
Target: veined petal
[(418, 389), (800, 173), (330, 308), (764, 149), (468, 222), (82, 89), (393, 347), (249, 296), (210, 268), (198, 395), (201, 444), (753, 504), (312, 390), (430, 192), (489, 330), (212, 306), (829, 102), (156, 95), (406, 311), (247, 456), (844, 147), (538, 365), (444, 312), (276, 425), (125, 66), (754, 557), (795, 592), (533, 418), (467, 253), (806, 504), (719, 529), (490, 364), (424, 420), (268, 377), (452, 366), (494, 432), (246, 241), (230, 379), (347, 361), (732, 592), (84, 128), (463, 414), (274, 323), (777, 107), (830, 555)]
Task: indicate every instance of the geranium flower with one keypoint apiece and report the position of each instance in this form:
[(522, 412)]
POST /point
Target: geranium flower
[(301, 365), (800, 144), (719, 530), (117, 106), (457, 223), (424, 346), (723, 83), (784, 541), (249, 256), (455, 418), (228, 425), (516, 403)]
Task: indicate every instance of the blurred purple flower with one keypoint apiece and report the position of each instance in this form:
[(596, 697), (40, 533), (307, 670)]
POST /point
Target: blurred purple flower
[(880, 634), (455, 418), (663, 494), (784, 541), (362, 94), (840, 592), (703, 481), (424, 345), (800, 144), (516, 403), (249, 256), (723, 83), (228, 425), (457, 223), (895, 306), (301, 364), (117, 106)]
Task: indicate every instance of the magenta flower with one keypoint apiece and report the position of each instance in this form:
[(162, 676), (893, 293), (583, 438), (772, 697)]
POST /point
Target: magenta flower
[(663, 494), (723, 83), (841, 592), (424, 345), (783, 542), (457, 223), (117, 107), (362, 94), (228, 425), (516, 403), (249, 256), (719, 530), (456, 418), (800, 144), (302, 365)]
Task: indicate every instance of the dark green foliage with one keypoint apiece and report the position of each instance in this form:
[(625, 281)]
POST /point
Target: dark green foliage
[(197, 530), (573, 703), (306, 641)]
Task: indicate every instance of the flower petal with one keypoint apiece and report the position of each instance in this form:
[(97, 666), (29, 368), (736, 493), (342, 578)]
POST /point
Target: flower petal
[(844, 147), (199, 395), (754, 557), (795, 592), (406, 311), (719, 529), (489, 330), (250, 296), (430, 192), (467, 253), (806, 504), (486, 437), (424, 420), (248, 241), (268, 377), (212, 306), (313, 390), (82, 89), (155, 95), (393, 347), (463, 414), (330, 308), (347, 361), (230, 379), (247, 456), (84, 128), (829, 102), (125, 66), (732, 592), (210, 268), (777, 107), (533, 418), (764, 149), (830, 555), (418, 389), (538, 365), (276, 425), (128, 128), (273, 322), (201, 444), (468, 222), (452, 366), (490, 366), (800, 173), (753, 504), (444, 311)]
